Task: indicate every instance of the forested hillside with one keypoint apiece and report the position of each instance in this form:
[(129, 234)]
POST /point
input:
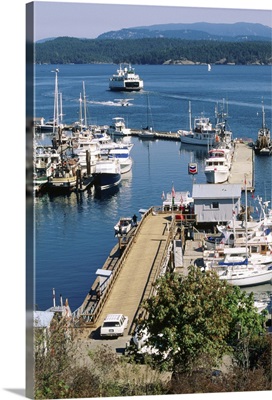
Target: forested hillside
[(64, 50)]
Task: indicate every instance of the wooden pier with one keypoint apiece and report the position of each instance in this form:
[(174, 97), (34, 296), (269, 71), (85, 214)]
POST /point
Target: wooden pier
[(242, 170), (132, 271)]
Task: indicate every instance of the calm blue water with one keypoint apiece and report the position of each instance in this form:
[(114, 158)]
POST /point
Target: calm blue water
[(74, 233)]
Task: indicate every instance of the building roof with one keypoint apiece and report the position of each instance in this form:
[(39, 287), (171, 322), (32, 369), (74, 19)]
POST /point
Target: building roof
[(216, 191)]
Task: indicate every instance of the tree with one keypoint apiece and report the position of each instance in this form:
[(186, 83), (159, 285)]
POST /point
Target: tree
[(190, 320)]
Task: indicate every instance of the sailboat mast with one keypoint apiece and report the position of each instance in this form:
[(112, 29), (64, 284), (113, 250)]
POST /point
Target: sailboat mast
[(80, 109), (60, 101), (246, 214), (263, 121), (190, 117), (56, 102), (84, 104)]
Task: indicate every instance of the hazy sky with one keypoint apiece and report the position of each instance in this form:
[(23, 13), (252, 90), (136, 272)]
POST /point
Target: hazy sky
[(90, 19)]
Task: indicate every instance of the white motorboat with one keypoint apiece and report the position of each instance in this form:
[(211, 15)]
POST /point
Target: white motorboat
[(218, 165), (125, 79), (123, 226), (122, 153), (107, 174), (119, 127), (88, 154)]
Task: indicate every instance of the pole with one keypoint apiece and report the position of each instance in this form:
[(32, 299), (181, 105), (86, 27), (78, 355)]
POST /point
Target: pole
[(54, 298)]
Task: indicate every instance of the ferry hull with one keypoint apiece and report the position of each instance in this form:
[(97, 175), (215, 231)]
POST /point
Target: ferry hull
[(126, 86)]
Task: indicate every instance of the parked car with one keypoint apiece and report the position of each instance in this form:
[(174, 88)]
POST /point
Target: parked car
[(114, 325)]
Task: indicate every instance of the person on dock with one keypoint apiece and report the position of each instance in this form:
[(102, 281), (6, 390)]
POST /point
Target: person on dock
[(134, 219)]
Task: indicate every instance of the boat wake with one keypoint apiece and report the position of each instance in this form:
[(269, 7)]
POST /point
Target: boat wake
[(109, 103)]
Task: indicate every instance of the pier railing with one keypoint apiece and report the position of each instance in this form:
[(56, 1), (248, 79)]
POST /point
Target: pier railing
[(90, 310)]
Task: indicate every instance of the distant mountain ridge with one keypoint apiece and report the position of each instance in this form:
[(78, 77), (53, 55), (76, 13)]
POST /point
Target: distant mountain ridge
[(240, 31)]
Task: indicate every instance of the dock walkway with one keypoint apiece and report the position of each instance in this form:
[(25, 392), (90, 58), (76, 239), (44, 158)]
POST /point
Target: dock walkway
[(136, 270), (242, 166), (139, 270)]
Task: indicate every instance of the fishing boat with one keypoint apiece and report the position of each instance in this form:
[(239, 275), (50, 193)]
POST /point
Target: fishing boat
[(125, 79), (263, 144), (45, 162), (201, 134), (64, 177), (107, 174), (118, 128)]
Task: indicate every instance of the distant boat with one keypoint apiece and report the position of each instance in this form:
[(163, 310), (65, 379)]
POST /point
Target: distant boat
[(123, 102), (126, 80), (209, 67), (118, 128)]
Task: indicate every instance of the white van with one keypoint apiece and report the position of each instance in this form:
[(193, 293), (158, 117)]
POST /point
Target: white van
[(114, 325)]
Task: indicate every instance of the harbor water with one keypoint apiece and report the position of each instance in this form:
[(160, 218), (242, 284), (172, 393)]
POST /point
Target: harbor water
[(74, 233)]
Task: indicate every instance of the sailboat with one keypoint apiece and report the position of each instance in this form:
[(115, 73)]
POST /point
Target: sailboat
[(52, 125), (209, 67), (250, 272), (148, 132)]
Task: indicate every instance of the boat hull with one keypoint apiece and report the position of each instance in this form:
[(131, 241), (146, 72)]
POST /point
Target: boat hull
[(125, 166), (217, 176), (126, 85), (103, 181), (191, 139), (263, 152), (243, 279)]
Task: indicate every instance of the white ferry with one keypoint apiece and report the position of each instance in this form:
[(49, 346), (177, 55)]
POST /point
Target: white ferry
[(126, 80)]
